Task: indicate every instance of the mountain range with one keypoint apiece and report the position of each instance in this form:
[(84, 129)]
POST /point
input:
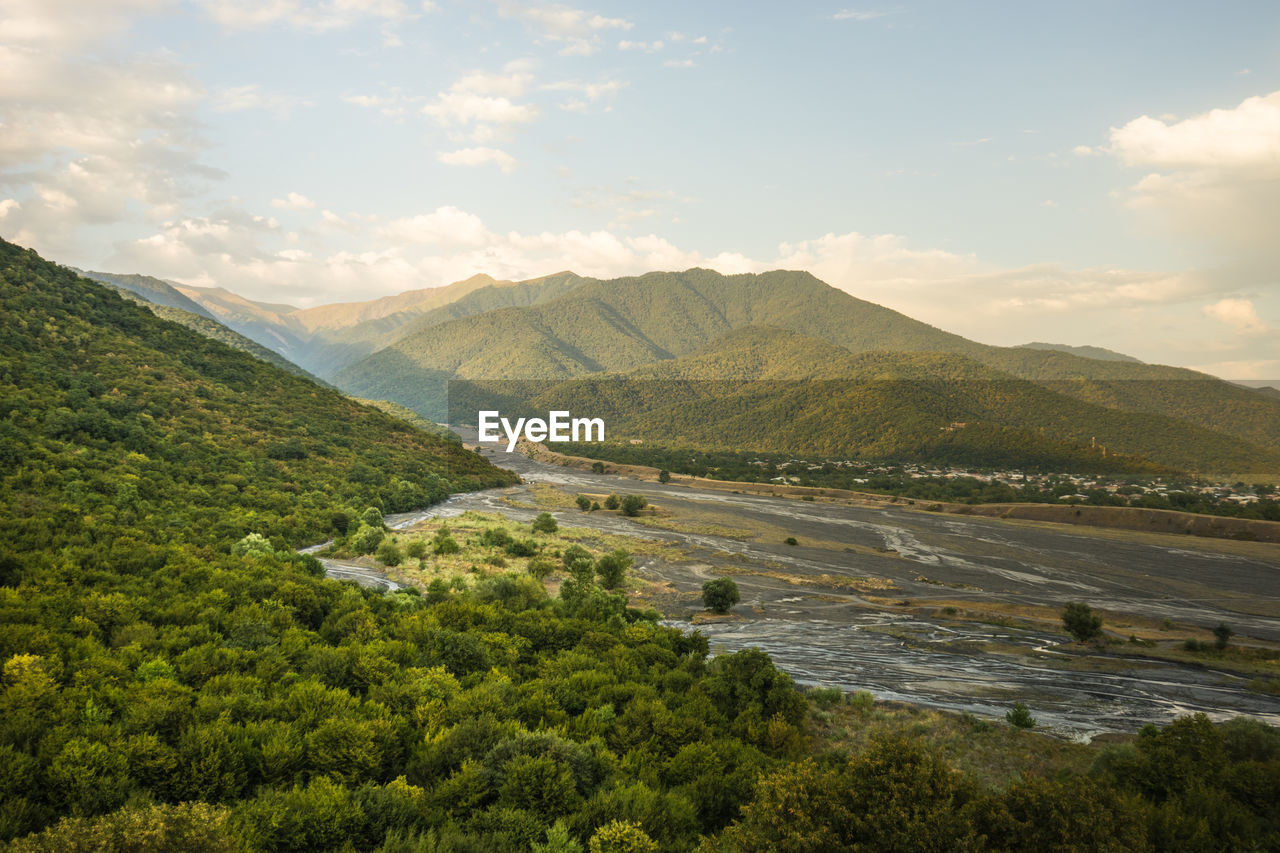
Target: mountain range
[(777, 326)]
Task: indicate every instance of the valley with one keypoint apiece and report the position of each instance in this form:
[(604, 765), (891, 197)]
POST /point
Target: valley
[(958, 614)]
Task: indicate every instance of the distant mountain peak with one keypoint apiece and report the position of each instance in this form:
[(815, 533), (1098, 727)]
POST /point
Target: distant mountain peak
[(1097, 353)]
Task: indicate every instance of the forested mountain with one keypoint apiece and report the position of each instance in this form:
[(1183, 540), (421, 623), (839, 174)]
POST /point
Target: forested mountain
[(210, 328), (770, 390), (626, 324), (1100, 353), (153, 290), (406, 349)]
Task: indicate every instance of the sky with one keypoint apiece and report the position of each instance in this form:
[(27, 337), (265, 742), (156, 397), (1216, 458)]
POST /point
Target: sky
[(1088, 173)]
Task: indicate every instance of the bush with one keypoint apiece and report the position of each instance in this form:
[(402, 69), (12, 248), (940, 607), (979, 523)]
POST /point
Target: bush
[(791, 540), (595, 506), (862, 700), (1019, 716), (1081, 622), (720, 595), (664, 476), (495, 537), (573, 554), (445, 545), (612, 502), (416, 549), (612, 568), (521, 548), (544, 523), (826, 698), (584, 503), (632, 504), (540, 568), (597, 467), (389, 553), (366, 539), (1222, 635)]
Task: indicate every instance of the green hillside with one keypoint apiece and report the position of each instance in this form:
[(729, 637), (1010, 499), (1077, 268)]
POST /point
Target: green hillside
[(211, 328), (153, 290), (620, 325), (775, 391), (117, 424), (1100, 353), (630, 323)]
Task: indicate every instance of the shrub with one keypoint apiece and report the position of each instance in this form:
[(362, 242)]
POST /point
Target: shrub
[(862, 700), (521, 548), (573, 554), (826, 698), (544, 523), (495, 537), (720, 595), (632, 504), (540, 568), (416, 549), (1019, 716), (1081, 622), (595, 506), (597, 467), (791, 540), (389, 553), (445, 545), (584, 503), (366, 539), (612, 568), (664, 476), (612, 502), (1222, 635)]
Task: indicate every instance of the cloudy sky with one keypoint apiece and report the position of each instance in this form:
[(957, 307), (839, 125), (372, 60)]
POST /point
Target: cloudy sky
[(1092, 173)]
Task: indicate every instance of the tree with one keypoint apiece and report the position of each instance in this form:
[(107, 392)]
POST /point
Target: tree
[(611, 502), (720, 595), (366, 539), (389, 553), (1081, 622), (612, 568), (1019, 716), (664, 476), (619, 836), (632, 504), (544, 523), (1222, 635), (584, 503)]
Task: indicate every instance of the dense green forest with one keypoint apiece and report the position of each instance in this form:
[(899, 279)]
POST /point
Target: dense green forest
[(176, 677)]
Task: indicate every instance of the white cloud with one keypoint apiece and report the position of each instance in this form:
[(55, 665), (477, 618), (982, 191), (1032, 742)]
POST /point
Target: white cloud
[(332, 15), (1216, 178), (1245, 136), (250, 97), (293, 201), (91, 136), (859, 15), (465, 107), (575, 29), (678, 63), (647, 47), (478, 157), (1240, 314)]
